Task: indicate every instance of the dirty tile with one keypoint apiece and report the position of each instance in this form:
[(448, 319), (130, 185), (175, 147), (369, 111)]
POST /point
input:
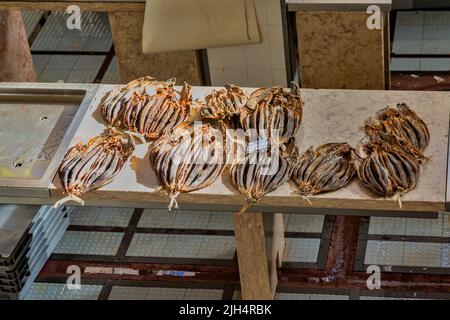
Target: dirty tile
[(420, 254), (389, 226), (147, 245), (301, 250), (217, 247), (385, 253)]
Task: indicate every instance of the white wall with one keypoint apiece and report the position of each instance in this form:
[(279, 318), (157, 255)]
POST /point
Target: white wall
[(253, 65)]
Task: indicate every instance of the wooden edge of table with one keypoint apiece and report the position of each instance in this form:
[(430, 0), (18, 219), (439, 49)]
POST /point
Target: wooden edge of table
[(98, 6), (289, 204)]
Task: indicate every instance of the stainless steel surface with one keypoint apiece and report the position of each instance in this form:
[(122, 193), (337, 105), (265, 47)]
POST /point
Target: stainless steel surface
[(14, 222), (37, 124), (336, 5)]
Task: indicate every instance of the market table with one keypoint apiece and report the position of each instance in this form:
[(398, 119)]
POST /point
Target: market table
[(329, 116)]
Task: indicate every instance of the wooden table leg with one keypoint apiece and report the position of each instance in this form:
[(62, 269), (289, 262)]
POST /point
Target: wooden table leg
[(260, 246), (16, 64), (126, 28)]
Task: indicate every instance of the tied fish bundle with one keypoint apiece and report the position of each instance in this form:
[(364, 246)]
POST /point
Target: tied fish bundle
[(261, 172), (273, 113), (112, 108), (148, 107), (386, 169), (224, 104), (400, 126), (93, 165), (328, 168), (188, 159), (153, 115)]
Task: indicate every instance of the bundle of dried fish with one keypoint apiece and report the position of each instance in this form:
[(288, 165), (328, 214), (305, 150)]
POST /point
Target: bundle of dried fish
[(261, 172), (188, 159), (93, 165), (153, 115), (273, 113), (224, 103), (328, 168), (385, 168), (402, 127), (148, 107), (112, 108)]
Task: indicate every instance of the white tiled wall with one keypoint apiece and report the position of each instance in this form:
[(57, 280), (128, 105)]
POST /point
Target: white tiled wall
[(253, 65)]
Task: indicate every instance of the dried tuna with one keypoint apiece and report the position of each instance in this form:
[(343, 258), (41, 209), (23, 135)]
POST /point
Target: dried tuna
[(402, 127), (274, 113), (93, 165), (153, 115), (224, 104), (188, 159), (112, 108), (261, 172), (328, 168), (148, 107), (385, 168)]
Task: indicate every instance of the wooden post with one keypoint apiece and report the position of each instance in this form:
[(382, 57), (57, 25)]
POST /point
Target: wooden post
[(338, 51), (260, 246), (16, 64), (126, 28)]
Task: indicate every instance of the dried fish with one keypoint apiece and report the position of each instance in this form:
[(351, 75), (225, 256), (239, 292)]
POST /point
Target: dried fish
[(112, 108), (385, 168), (188, 159), (328, 168), (153, 115), (274, 113), (148, 107), (93, 165), (223, 104), (261, 172), (402, 127)]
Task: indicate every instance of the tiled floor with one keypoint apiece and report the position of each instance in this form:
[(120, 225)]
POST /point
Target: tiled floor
[(67, 68), (411, 227), (96, 216), (421, 32), (299, 296), (154, 293), (94, 34), (420, 253), (59, 291), (89, 243)]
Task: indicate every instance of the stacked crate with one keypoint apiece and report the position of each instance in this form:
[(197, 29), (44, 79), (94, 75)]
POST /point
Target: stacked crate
[(28, 235)]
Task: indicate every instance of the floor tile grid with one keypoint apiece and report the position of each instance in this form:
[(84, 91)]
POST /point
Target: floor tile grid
[(415, 252)]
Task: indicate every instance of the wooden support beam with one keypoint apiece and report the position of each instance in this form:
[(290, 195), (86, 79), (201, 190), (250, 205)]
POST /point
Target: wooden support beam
[(85, 5), (126, 30), (338, 51), (260, 246), (16, 64)]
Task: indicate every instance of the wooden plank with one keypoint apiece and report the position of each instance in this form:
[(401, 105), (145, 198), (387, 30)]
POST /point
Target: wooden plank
[(126, 30), (260, 243), (88, 5), (345, 54), (16, 64), (329, 115)]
